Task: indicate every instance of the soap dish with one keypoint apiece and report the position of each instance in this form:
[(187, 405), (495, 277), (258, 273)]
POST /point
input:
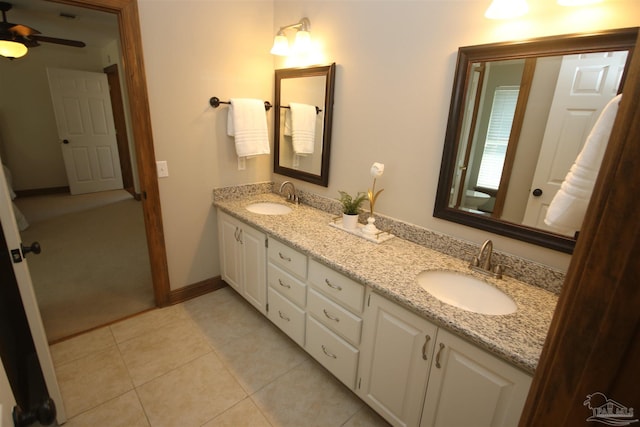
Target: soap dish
[(381, 236)]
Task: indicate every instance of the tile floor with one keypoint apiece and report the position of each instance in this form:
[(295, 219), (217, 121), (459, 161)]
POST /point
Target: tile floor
[(211, 361)]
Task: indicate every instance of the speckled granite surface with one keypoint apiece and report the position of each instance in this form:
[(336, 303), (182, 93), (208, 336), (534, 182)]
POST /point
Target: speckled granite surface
[(390, 268)]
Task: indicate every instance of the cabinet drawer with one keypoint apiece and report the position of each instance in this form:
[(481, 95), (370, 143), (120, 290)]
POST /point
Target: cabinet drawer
[(287, 258), (335, 317), (335, 354), (339, 287), (285, 315), (287, 285)]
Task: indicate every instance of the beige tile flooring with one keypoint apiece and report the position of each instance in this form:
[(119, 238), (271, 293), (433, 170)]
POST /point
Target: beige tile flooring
[(211, 361)]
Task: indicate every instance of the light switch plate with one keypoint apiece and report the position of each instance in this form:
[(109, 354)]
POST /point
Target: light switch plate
[(163, 169)]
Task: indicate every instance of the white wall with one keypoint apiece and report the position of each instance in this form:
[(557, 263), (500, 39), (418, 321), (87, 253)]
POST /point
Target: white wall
[(395, 63), (193, 50)]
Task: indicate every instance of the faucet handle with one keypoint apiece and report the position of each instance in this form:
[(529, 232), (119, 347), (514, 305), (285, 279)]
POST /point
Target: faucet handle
[(498, 269), (475, 262)]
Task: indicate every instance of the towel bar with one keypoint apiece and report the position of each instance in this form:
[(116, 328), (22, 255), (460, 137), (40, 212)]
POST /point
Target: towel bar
[(215, 103), (318, 110)]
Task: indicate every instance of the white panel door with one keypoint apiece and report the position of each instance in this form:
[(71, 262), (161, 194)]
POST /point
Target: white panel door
[(25, 286), (84, 117), (586, 83)]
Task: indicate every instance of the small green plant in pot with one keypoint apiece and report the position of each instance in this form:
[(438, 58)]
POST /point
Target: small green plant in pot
[(350, 208)]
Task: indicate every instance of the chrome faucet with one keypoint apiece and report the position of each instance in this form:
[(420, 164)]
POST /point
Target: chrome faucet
[(292, 196), (482, 262)]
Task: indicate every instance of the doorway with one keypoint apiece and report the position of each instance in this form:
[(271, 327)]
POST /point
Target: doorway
[(126, 13)]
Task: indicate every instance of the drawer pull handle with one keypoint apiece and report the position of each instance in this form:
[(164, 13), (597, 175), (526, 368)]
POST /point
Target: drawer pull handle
[(331, 355), (427, 338), (286, 258), (438, 356), (335, 319), (331, 285), (282, 316), (284, 285)]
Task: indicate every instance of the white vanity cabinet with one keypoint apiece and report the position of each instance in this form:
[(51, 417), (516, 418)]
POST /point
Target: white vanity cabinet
[(402, 353), (334, 323), (287, 273), (243, 259), (470, 387), (397, 349)]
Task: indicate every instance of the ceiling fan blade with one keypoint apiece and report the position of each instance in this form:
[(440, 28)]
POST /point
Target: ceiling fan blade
[(55, 40), (23, 30)]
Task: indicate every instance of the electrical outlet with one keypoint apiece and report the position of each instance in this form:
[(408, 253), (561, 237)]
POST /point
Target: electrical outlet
[(163, 169)]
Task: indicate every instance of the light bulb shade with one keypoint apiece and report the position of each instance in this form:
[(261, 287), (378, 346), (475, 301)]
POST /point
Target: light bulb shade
[(280, 45), (303, 41), (506, 9), (577, 2), (11, 49)]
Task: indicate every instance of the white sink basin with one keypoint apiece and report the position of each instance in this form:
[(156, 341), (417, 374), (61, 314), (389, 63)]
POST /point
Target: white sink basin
[(466, 292), (269, 208)]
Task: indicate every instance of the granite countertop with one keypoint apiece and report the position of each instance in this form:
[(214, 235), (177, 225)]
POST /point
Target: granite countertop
[(391, 267)]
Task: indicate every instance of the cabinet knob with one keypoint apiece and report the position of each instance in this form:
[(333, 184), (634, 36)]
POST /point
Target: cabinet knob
[(331, 285), (427, 338), (330, 317), (438, 356), (283, 317), (285, 258), (328, 353)]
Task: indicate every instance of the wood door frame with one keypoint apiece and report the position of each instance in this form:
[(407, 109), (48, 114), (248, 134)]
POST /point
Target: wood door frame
[(133, 64), (593, 344), (120, 123)]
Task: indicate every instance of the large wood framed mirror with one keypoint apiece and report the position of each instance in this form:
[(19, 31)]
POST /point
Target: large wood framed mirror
[(302, 124), (520, 113)]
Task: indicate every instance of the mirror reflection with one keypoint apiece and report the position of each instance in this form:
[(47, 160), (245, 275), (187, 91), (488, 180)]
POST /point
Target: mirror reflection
[(303, 113), (519, 118)]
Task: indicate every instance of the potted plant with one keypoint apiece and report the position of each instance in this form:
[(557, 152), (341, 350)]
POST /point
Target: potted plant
[(350, 208)]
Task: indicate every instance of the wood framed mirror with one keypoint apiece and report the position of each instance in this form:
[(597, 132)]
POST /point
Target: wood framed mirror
[(302, 122), (508, 111)]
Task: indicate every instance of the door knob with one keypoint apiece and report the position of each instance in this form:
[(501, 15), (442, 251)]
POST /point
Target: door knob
[(537, 192), (65, 141), (34, 247)]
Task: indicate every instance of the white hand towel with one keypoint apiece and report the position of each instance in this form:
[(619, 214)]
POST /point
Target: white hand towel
[(247, 123), (569, 205), (303, 128), (287, 122)]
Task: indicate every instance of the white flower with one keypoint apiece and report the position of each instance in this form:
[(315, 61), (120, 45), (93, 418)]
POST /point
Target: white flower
[(377, 169)]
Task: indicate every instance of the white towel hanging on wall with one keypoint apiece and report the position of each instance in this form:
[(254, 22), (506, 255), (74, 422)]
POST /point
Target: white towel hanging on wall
[(247, 123), (569, 205)]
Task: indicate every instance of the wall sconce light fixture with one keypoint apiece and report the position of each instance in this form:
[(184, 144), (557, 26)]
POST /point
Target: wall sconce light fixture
[(302, 41), (506, 9)]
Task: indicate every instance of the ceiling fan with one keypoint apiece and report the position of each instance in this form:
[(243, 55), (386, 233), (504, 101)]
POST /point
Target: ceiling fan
[(15, 39)]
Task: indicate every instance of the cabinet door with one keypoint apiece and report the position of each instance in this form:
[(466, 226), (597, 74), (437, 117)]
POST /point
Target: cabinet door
[(396, 351), (230, 262), (470, 387), (254, 269)]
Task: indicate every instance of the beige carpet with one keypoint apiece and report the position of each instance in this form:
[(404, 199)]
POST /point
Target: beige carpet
[(94, 266)]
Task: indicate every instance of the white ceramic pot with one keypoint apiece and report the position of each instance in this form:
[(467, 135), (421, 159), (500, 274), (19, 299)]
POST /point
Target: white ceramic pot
[(349, 222)]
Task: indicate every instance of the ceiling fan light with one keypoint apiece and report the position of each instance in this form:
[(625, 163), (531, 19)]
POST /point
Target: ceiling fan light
[(11, 49), (280, 45), (506, 9)]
